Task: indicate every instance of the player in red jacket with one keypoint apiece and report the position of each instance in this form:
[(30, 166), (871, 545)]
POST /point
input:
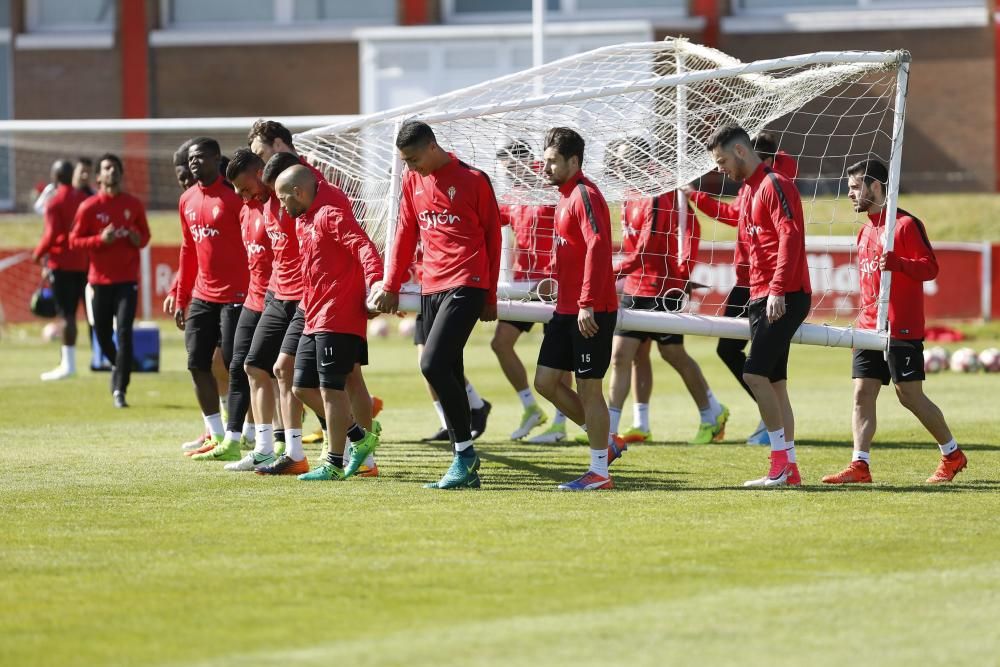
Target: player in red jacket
[(451, 208), (911, 262), (67, 267), (656, 267), (533, 232), (339, 264), (578, 337), (213, 275), (780, 293), (730, 350), (112, 227)]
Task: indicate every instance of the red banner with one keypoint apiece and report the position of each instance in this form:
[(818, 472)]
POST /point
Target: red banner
[(958, 292)]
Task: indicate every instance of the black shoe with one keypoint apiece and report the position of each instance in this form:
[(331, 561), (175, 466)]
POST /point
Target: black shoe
[(478, 420), (119, 398), (439, 436)]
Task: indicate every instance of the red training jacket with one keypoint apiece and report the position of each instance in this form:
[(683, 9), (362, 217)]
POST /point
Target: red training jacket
[(775, 228), (340, 262), (286, 278), (653, 263), (118, 261), (583, 249), (534, 236), (260, 257), (60, 211), (454, 213), (912, 262), (213, 261)]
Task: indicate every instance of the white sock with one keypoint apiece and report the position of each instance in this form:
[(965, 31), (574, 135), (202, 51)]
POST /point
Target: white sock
[(861, 456), (265, 440), (713, 403), (462, 446), (599, 462), (712, 412), (69, 358), (249, 431), (440, 411), (948, 447), (615, 416), (213, 424), (233, 435), (293, 444), (790, 450), (370, 461), (527, 398), (640, 416), (560, 418), (475, 400), (777, 440)]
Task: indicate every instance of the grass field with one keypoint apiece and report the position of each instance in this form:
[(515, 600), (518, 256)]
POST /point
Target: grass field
[(117, 550), (949, 217)]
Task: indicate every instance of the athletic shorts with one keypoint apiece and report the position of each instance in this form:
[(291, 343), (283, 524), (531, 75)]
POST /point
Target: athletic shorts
[(770, 342), (269, 336), (655, 304), (68, 288), (565, 348), (523, 327), (905, 364), (326, 359), (418, 330), (209, 325), (290, 343), (737, 302), (245, 328)]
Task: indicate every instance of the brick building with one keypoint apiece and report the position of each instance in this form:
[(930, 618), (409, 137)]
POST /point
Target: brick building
[(191, 58)]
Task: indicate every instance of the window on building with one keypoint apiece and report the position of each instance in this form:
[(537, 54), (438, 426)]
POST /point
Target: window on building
[(196, 13), (470, 10), (70, 15)]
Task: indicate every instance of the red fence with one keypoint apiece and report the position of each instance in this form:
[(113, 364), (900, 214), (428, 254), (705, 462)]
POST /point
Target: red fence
[(967, 287)]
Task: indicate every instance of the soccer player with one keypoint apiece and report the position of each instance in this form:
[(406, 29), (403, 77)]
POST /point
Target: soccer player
[(578, 338), (67, 267), (81, 175), (912, 262), (213, 275), (339, 263), (780, 294), (240, 426), (112, 227), (534, 234), (452, 209), (730, 350), (656, 273)]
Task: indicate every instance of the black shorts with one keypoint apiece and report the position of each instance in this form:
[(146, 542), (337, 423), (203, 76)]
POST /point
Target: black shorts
[(523, 327), (326, 359), (269, 337), (419, 337), (654, 304), (770, 342), (290, 343), (905, 364), (737, 302), (565, 348), (68, 288), (243, 337), (207, 326)]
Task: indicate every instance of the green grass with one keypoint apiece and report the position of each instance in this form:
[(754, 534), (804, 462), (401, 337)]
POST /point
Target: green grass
[(116, 550), (949, 217)]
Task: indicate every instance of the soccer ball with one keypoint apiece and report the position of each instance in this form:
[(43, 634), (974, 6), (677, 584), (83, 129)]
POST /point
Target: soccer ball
[(989, 359), (407, 325), (933, 362), (52, 330), (965, 361), (378, 328)]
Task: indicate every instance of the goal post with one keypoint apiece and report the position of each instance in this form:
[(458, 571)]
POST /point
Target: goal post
[(827, 109)]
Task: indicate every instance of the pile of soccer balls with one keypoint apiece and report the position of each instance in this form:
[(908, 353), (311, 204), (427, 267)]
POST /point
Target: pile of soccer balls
[(964, 360)]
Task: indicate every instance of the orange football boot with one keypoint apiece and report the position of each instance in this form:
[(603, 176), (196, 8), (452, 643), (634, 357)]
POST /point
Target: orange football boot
[(856, 473), (950, 465)]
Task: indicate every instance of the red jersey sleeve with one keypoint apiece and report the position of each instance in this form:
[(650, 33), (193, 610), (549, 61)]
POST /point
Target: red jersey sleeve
[(489, 218), (86, 234), (692, 239), (790, 238), (405, 243), (597, 262), (725, 213), (51, 228), (353, 239), (187, 265), (912, 254), (142, 225), (643, 244)]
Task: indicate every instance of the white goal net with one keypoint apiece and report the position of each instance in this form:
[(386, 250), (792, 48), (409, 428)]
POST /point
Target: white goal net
[(662, 100)]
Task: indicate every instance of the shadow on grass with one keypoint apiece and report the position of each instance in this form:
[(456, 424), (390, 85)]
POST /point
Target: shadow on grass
[(928, 445)]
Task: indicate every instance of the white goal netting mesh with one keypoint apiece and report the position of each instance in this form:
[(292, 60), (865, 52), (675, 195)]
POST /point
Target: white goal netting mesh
[(662, 100)]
